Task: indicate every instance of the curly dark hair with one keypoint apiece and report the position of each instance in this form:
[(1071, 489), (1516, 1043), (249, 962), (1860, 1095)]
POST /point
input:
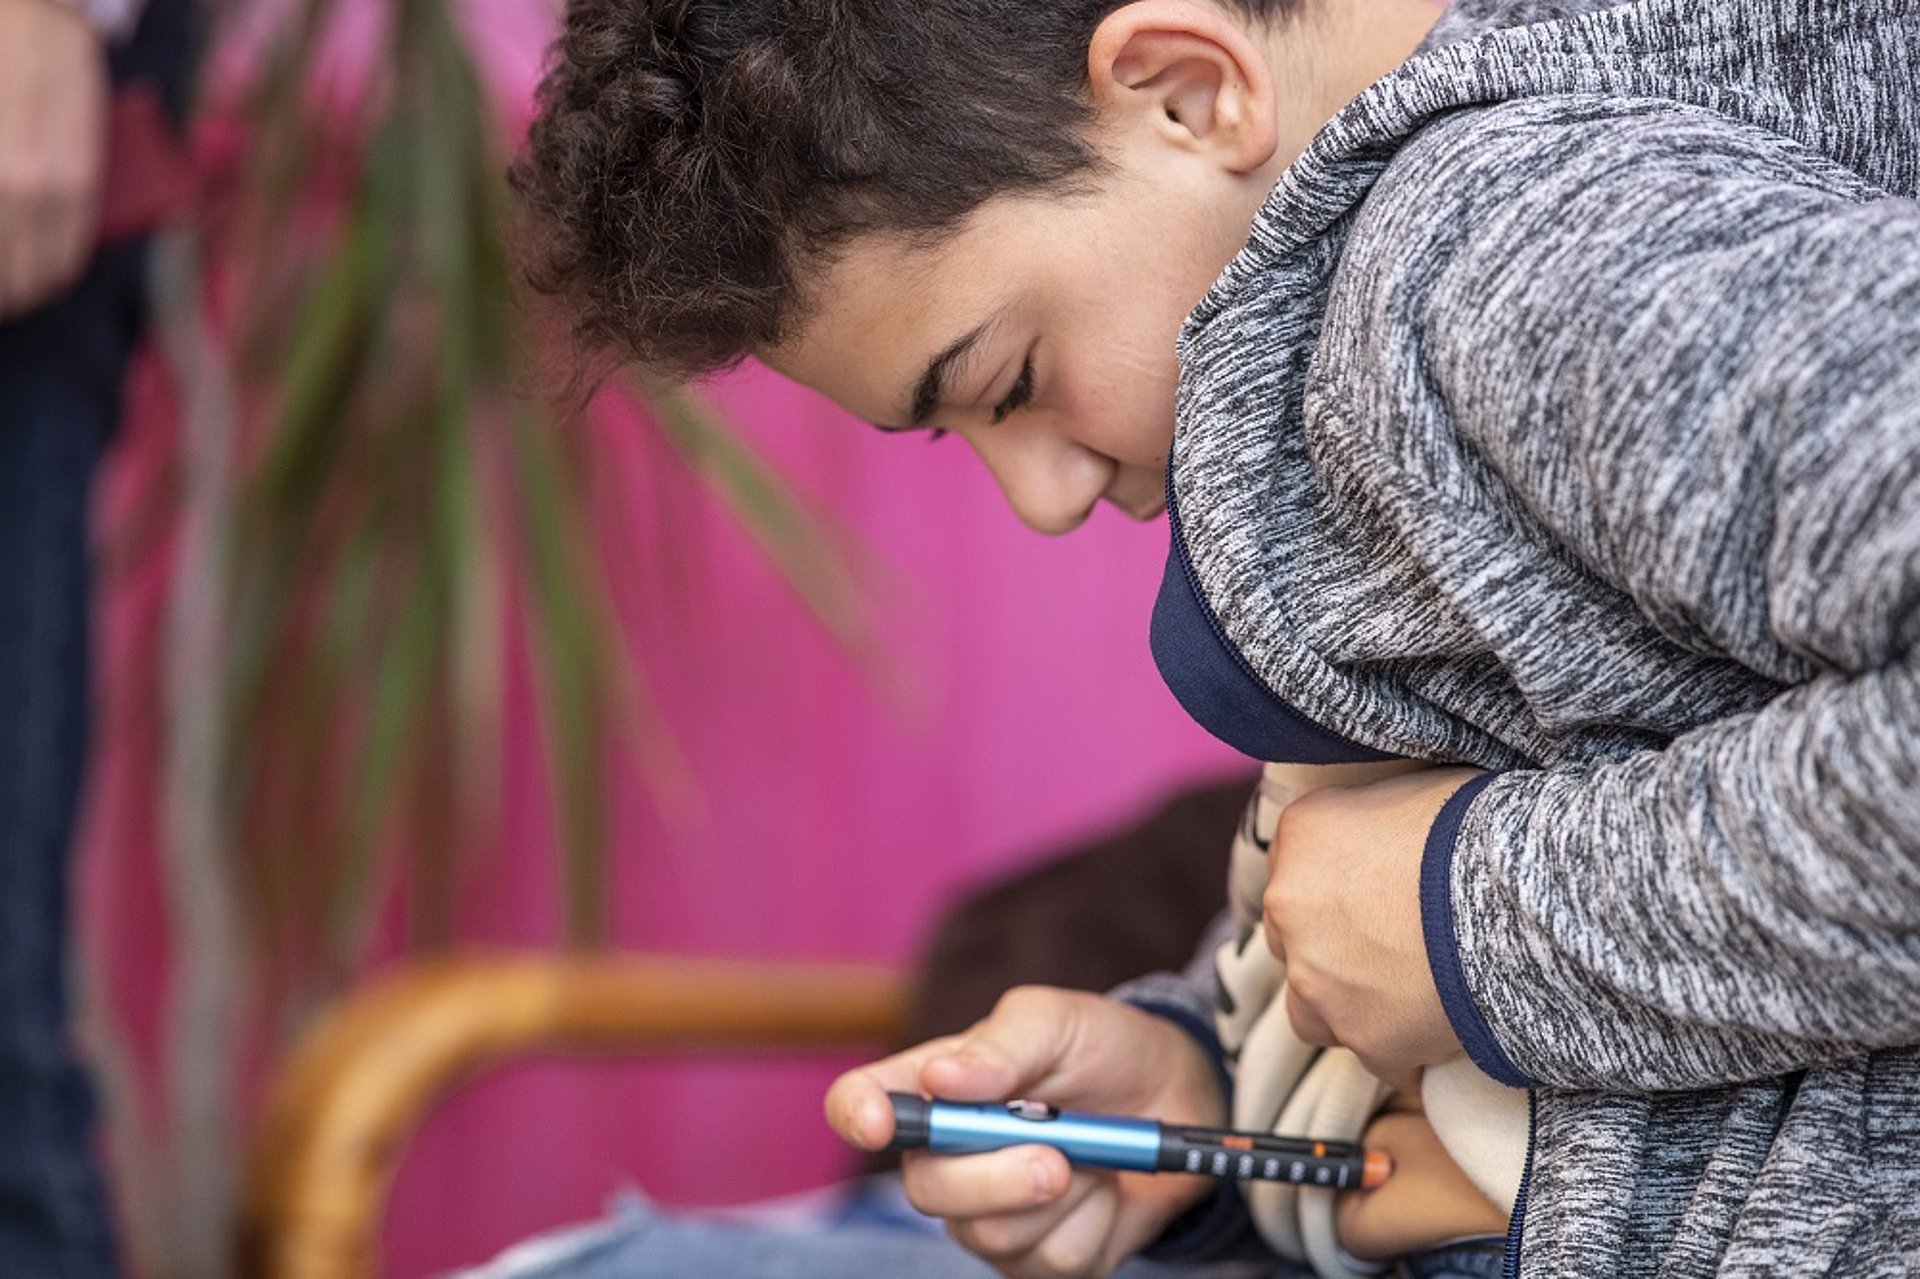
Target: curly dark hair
[(692, 161)]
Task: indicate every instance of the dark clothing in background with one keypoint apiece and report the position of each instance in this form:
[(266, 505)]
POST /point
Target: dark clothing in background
[(61, 368), (59, 396)]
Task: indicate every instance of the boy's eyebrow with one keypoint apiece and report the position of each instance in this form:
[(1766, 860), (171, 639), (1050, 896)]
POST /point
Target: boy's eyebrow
[(932, 387)]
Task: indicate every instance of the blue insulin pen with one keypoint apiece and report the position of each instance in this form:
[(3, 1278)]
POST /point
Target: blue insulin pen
[(1133, 1145)]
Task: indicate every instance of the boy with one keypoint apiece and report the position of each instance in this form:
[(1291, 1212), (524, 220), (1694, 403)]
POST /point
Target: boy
[(1546, 405)]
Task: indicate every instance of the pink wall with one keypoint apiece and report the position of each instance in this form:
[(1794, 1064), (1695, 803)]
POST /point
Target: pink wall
[(836, 816), (834, 824)]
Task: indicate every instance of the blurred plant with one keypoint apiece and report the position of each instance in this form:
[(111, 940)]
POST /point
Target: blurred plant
[(368, 506)]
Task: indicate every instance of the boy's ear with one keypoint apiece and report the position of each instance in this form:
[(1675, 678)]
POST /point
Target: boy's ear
[(1189, 72)]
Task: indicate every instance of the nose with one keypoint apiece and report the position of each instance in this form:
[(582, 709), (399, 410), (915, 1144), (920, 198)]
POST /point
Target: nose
[(1051, 483)]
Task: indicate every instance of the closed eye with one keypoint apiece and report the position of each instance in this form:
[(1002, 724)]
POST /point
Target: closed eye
[(1018, 394)]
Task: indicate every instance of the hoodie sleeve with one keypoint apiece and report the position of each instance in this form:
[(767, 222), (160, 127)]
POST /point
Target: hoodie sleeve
[(1689, 352)]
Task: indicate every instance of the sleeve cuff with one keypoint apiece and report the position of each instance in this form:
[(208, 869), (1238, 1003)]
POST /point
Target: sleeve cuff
[(1443, 943)]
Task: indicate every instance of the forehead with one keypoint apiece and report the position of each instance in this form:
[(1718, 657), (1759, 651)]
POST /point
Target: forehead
[(887, 304)]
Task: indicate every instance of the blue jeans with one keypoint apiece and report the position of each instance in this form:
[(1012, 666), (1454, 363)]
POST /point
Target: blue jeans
[(866, 1231), (60, 375)]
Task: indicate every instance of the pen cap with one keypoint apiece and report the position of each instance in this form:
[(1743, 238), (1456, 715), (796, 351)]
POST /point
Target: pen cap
[(912, 1121)]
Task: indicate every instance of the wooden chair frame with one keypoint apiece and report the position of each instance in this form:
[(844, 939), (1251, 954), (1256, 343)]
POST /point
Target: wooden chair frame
[(341, 1111)]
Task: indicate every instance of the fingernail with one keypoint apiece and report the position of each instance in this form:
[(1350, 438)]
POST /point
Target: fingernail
[(975, 1058), (963, 1063), (866, 1123), (1042, 1178)]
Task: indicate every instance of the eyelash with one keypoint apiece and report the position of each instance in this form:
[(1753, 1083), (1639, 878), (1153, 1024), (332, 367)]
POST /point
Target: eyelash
[(1018, 396)]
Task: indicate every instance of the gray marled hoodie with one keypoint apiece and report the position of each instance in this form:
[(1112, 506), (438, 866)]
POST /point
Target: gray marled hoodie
[(1562, 416)]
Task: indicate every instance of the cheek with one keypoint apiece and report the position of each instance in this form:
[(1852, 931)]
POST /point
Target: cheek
[(1119, 376), (1129, 409)]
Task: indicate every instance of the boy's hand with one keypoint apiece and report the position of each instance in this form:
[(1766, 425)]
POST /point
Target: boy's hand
[(53, 145), (1427, 1201), (1023, 1209), (1342, 908)]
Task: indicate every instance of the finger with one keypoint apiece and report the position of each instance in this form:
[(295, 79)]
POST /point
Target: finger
[(1427, 1200), (12, 252), (1307, 1023), (15, 142), (966, 1187), (856, 1103), (1394, 1074), (1404, 1101), (1276, 942), (1021, 1047), (1078, 1246), (1005, 1237), (70, 213), (50, 252), (63, 232), (1273, 905), (46, 231), (53, 127)]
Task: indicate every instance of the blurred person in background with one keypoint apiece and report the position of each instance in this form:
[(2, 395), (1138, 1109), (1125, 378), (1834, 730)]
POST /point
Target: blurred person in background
[(73, 207)]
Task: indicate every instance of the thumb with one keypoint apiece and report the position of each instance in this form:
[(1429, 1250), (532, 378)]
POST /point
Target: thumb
[(1020, 1047)]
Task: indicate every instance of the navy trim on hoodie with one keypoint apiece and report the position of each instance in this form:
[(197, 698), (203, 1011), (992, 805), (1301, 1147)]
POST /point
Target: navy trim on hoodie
[(1220, 691), (1443, 943)]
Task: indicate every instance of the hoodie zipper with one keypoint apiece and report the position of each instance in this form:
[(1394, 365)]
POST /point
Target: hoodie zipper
[(1516, 1227)]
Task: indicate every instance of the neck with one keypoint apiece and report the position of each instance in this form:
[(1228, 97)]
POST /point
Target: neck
[(1324, 56)]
